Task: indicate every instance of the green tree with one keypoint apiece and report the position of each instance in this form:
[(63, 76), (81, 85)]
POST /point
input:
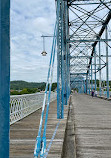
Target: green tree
[(24, 91)]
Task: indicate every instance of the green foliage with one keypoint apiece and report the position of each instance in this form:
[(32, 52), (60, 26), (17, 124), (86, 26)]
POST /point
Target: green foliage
[(14, 92), (22, 87), (24, 91), (97, 82), (97, 89), (54, 86)]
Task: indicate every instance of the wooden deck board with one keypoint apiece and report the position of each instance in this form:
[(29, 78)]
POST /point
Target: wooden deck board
[(23, 134), (92, 119)]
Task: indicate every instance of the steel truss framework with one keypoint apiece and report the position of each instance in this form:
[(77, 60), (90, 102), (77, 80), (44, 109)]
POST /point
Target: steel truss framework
[(82, 36)]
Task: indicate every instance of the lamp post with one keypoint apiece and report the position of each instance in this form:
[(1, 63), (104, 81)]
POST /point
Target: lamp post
[(44, 53)]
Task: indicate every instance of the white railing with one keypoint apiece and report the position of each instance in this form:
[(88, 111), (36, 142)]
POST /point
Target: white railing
[(104, 94), (23, 105)]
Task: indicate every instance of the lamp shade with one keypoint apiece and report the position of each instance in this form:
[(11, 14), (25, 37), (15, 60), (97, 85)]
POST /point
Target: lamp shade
[(44, 53)]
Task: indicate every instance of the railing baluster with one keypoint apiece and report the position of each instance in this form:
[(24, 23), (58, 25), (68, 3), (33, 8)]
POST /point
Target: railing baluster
[(24, 105)]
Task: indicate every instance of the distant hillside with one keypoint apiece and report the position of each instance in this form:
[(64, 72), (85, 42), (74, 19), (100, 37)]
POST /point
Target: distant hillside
[(19, 85)]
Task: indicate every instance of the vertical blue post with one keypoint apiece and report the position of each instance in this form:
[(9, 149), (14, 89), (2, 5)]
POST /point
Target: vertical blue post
[(62, 58), (65, 24), (107, 65), (99, 68), (67, 51), (69, 91), (82, 85), (89, 82), (58, 60), (4, 77), (86, 84), (91, 77), (95, 65)]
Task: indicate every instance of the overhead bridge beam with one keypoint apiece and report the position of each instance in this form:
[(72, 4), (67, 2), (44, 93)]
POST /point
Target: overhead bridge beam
[(83, 64), (99, 36), (91, 3), (76, 81), (90, 40), (88, 56), (78, 73)]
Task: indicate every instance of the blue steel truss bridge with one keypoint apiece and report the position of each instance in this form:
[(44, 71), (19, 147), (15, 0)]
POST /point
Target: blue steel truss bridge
[(82, 43)]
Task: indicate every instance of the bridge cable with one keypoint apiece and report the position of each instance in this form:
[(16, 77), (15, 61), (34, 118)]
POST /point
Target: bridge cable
[(51, 141), (40, 145), (38, 139)]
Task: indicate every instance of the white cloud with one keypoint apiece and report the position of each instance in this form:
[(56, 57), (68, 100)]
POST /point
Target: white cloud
[(29, 20)]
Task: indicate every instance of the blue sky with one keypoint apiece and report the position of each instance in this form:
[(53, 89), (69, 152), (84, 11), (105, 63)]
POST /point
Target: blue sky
[(29, 20)]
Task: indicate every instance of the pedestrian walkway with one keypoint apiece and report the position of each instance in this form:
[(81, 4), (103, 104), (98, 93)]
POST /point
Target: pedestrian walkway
[(88, 132), (23, 134), (92, 126)]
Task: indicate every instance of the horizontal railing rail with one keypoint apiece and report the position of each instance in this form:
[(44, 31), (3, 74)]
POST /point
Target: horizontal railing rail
[(23, 105), (104, 94)]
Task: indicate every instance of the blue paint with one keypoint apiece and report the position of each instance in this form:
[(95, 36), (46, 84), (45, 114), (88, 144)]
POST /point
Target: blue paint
[(4, 77), (63, 60), (51, 141), (95, 65), (37, 146), (107, 65), (91, 78), (40, 146), (47, 108), (43, 147), (59, 100)]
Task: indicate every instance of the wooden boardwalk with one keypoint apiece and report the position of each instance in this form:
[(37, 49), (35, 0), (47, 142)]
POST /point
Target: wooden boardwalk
[(92, 124), (23, 134), (88, 133)]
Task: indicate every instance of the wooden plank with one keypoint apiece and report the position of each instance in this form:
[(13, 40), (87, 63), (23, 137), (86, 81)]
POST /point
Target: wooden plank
[(23, 134), (92, 119)]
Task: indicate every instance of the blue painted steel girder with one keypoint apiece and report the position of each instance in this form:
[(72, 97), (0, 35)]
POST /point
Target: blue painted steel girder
[(63, 73), (4, 77)]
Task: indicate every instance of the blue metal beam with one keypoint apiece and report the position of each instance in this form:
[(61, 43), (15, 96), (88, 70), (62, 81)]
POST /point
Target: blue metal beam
[(107, 65), (95, 65), (78, 73), (90, 40), (86, 83), (4, 77), (60, 107), (99, 69), (91, 78), (67, 52), (62, 58)]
